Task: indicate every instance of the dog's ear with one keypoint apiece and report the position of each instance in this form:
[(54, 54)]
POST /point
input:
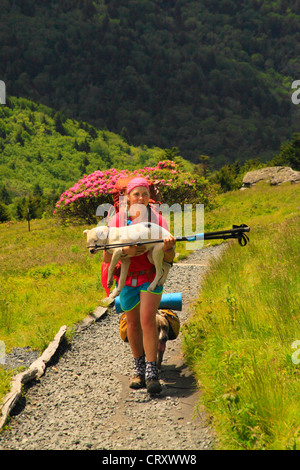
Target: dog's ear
[(101, 232), (85, 231), (163, 314)]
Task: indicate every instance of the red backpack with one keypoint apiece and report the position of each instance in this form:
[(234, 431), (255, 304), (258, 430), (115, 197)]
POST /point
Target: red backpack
[(120, 189)]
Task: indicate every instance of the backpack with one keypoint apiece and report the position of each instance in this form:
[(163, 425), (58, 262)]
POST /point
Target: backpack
[(172, 317), (120, 190)]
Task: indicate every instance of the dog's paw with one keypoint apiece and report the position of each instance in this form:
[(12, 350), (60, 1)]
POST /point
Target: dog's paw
[(107, 301), (115, 292), (151, 288)]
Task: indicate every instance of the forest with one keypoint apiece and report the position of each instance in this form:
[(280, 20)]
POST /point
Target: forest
[(208, 77), (42, 153)]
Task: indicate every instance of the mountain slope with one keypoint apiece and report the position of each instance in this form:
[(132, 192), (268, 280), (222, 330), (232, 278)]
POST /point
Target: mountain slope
[(43, 153), (209, 77)]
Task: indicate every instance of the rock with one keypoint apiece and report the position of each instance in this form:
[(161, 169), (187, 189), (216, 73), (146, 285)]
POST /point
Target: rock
[(274, 175)]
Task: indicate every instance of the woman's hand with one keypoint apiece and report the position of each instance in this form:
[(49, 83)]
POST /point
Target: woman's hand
[(169, 243)]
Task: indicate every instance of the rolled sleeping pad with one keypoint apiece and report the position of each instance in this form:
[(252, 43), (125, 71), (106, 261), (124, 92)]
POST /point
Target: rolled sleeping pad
[(171, 301)]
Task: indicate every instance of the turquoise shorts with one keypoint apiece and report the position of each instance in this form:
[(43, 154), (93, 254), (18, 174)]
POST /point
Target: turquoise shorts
[(130, 296)]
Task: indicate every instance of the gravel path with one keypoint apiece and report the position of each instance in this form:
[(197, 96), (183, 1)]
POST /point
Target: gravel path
[(83, 401)]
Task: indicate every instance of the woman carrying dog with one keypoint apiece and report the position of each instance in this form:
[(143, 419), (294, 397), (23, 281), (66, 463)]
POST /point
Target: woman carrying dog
[(141, 306)]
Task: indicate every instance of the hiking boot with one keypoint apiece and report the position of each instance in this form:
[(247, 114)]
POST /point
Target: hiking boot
[(137, 381), (138, 375), (153, 386)]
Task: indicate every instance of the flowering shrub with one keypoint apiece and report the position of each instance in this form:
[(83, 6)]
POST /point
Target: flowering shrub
[(80, 202)]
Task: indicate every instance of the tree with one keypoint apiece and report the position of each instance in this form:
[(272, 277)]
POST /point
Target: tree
[(202, 165), (4, 215), (289, 153), (59, 127), (20, 210), (4, 195), (124, 135), (37, 190), (225, 177)]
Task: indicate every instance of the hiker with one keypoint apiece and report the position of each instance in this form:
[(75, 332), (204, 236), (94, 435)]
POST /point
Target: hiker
[(141, 306)]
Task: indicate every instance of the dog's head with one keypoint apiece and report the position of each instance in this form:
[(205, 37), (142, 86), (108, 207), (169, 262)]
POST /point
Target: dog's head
[(163, 329), (96, 236)]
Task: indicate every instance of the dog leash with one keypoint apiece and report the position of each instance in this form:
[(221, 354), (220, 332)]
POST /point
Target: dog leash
[(237, 231)]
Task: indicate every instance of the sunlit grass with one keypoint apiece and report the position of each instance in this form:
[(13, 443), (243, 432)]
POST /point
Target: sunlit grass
[(48, 279), (240, 338), (261, 205)]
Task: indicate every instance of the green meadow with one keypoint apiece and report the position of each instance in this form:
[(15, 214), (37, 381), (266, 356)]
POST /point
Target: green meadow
[(46, 281), (241, 340)]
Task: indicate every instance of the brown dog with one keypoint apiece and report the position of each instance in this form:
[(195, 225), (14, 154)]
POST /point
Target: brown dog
[(168, 327), (163, 327)]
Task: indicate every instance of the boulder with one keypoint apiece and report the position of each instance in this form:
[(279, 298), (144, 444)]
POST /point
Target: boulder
[(274, 175)]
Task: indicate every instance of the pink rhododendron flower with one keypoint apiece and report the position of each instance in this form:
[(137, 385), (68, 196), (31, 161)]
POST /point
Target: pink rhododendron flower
[(100, 183)]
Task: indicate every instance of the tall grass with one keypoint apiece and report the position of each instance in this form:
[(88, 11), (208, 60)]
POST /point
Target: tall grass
[(240, 338), (47, 279)]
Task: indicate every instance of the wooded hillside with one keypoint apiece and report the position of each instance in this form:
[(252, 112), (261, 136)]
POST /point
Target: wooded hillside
[(209, 77), (42, 153)]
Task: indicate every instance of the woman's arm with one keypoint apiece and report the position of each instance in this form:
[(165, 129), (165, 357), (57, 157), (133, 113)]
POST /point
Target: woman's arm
[(107, 257), (134, 250), (169, 248), (131, 250)]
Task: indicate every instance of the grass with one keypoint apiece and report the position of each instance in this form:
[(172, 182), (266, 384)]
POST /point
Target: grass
[(45, 282), (240, 338)]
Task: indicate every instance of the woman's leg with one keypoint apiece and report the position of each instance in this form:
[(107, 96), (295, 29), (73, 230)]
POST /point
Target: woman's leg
[(135, 338), (143, 339), (134, 332), (148, 308)]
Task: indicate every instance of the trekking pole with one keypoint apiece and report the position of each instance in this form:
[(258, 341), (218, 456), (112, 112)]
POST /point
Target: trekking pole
[(237, 231)]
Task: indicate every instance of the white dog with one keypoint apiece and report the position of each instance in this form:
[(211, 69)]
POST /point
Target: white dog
[(144, 231)]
